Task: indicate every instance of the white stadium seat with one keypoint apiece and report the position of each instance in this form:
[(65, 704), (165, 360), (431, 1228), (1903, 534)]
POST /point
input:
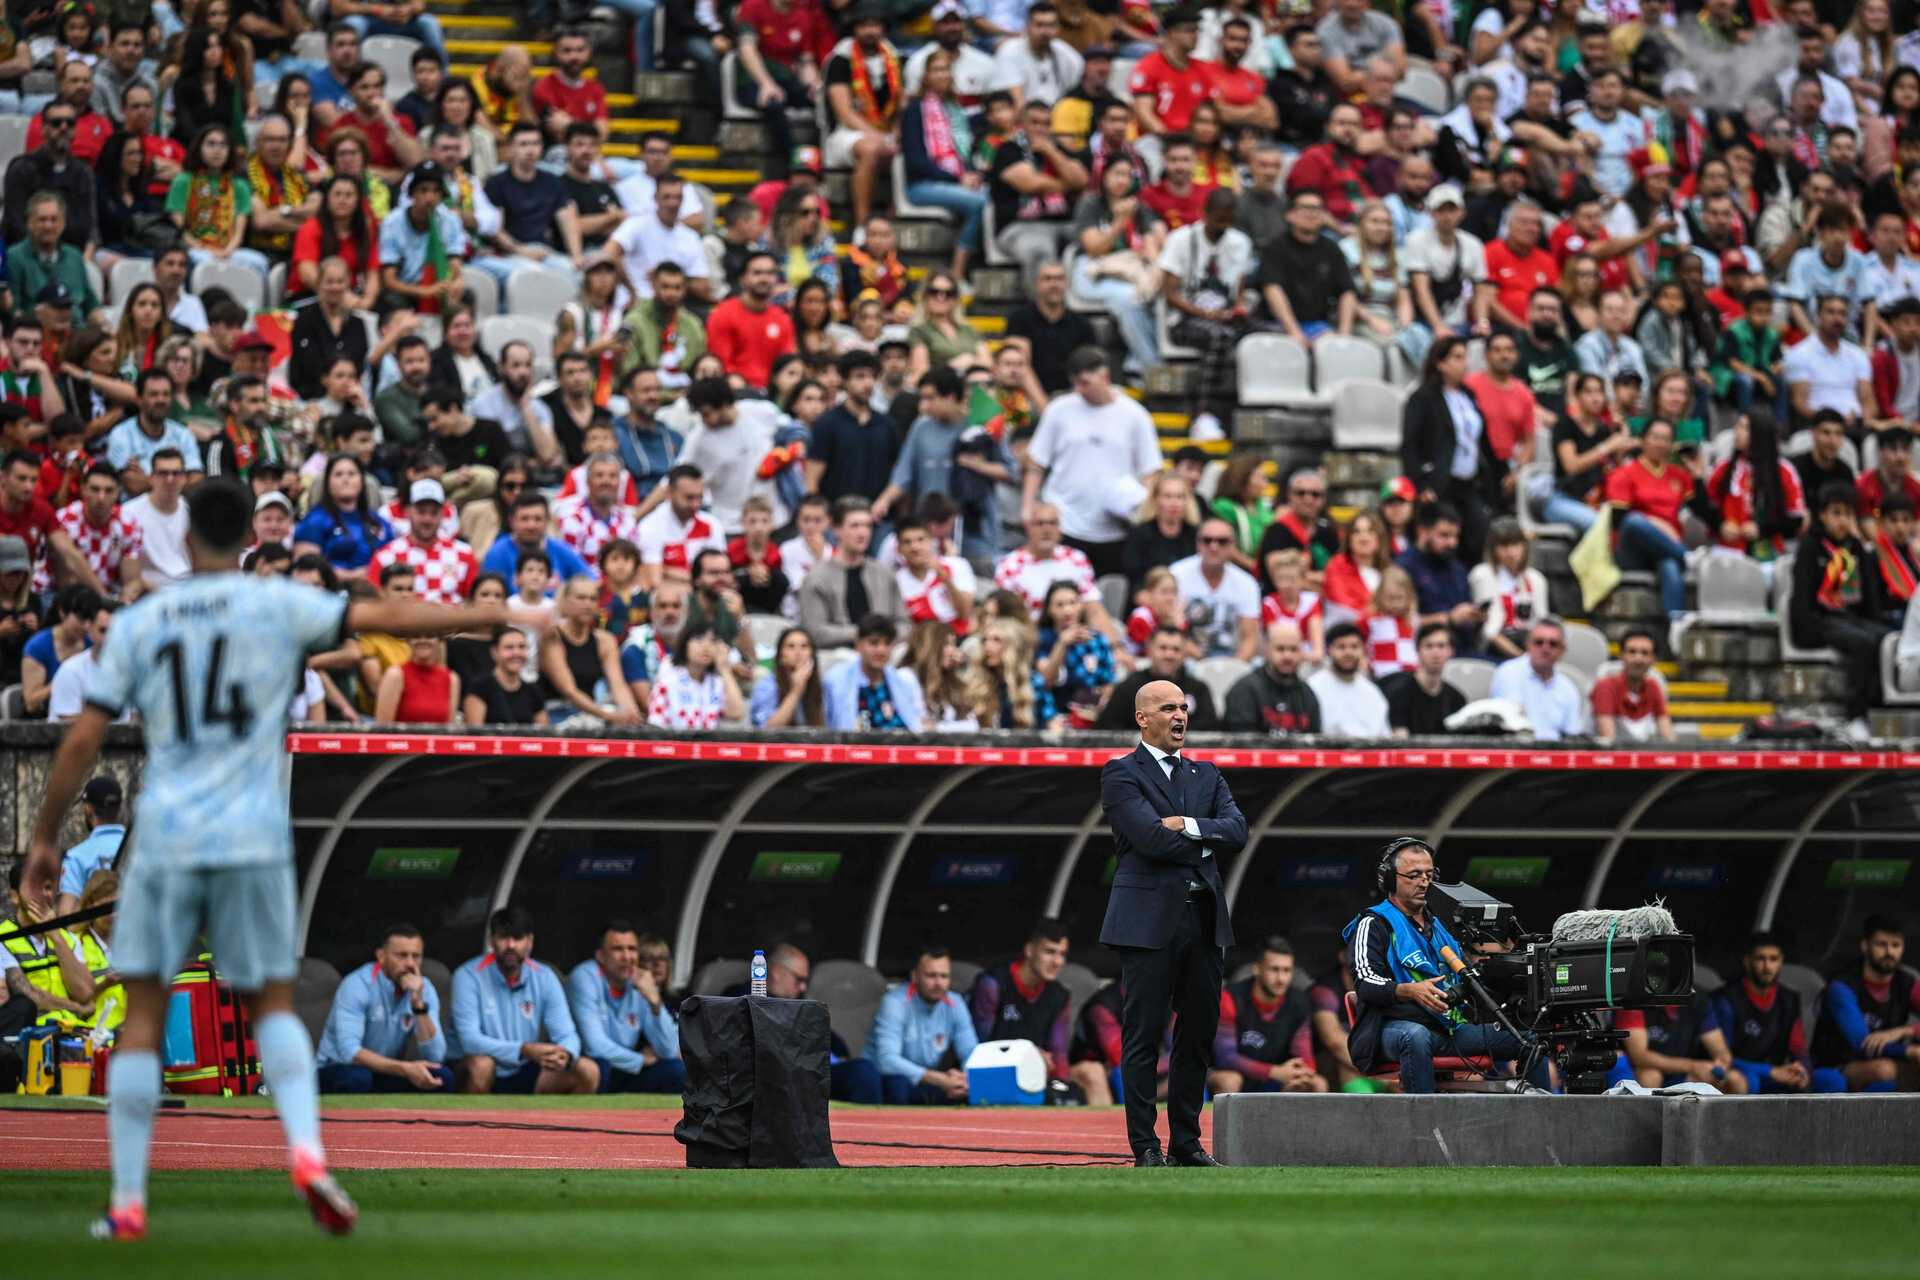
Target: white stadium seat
[(248, 287), (534, 293), (1275, 370), (1337, 358), (1366, 415)]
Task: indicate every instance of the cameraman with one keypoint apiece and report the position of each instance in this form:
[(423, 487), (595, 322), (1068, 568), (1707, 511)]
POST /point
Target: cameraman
[(1405, 1014)]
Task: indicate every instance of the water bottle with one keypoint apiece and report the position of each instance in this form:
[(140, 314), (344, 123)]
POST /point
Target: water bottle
[(759, 974)]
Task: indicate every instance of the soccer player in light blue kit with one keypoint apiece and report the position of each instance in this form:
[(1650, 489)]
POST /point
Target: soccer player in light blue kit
[(212, 664)]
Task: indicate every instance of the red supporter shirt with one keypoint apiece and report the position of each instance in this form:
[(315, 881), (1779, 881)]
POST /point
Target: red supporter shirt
[(306, 248), (1175, 91), (1236, 86), (1177, 211), (1730, 487), (748, 342), (1873, 491), (586, 100), (1516, 277), (379, 143), (1632, 486), (1565, 242), (90, 134), (31, 524), (783, 34), (1612, 697), (163, 149), (1508, 411), (1341, 183)]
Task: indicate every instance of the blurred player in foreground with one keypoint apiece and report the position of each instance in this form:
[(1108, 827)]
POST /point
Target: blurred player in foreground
[(212, 666)]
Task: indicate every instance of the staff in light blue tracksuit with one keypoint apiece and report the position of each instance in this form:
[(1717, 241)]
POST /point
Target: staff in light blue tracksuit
[(922, 1035), (512, 1030), (629, 1032), (383, 1033)]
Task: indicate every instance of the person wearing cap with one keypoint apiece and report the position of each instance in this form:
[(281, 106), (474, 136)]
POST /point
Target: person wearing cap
[(105, 535), (1447, 272), (19, 614), (42, 257), (975, 74), (1037, 65), (1736, 280), (100, 804), (422, 244), (272, 520), (864, 97), (1352, 35), (1681, 127), (443, 567), (783, 45), (656, 235)]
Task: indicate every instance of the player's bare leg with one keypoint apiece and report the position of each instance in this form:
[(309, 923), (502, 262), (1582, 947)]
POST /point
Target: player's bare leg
[(286, 1064), (133, 1096)]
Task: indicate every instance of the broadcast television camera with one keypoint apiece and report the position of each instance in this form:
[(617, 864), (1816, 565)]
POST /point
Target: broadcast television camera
[(1551, 990)]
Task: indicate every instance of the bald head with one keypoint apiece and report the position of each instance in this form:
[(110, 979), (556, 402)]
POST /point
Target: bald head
[(1284, 649), (1160, 709)]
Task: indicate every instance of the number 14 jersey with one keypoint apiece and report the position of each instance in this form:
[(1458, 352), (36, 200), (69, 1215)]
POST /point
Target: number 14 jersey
[(212, 665)]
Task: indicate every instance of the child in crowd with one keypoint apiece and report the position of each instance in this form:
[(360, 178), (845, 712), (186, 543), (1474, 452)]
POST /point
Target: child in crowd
[(1390, 624), (1159, 607), (623, 601), (1076, 661), (1508, 589), (530, 582), (1899, 571), (756, 559), (1292, 602), (597, 438)]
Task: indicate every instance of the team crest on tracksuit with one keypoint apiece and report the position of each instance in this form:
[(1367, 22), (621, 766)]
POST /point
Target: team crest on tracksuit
[(1252, 1038), (940, 1040), (633, 1020), (526, 1008)]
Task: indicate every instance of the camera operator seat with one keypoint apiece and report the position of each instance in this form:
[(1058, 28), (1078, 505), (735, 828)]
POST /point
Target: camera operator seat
[(1460, 1075)]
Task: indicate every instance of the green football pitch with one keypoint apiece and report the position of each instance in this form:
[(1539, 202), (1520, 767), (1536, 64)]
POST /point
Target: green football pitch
[(995, 1223)]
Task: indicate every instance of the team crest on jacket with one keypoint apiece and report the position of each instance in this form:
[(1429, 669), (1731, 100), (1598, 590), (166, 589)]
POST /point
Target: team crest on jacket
[(633, 1019), (1011, 1013), (526, 1008), (940, 1040), (1252, 1038)]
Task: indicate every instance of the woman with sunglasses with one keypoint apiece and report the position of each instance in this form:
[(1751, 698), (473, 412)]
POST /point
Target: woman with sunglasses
[(1580, 292), (941, 334), (481, 520)]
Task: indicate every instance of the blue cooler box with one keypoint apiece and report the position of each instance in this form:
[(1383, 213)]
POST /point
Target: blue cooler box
[(1006, 1073)]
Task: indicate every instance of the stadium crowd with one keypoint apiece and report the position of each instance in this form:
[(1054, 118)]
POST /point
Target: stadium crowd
[(1644, 295), (507, 1022)]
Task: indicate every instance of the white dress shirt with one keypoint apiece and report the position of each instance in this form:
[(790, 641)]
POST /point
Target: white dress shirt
[(1168, 763)]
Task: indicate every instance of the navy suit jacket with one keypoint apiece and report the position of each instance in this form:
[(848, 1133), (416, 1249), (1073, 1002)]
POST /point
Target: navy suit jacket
[(1155, 863)]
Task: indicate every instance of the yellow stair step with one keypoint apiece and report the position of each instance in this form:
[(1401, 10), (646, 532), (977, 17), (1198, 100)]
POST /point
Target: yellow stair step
[(1671, 670), (1718, 710), (722, 177), (989, 325), (1720, 732), (1213, 448), (1171, 419), (485, 21), (1711, 689), (643, 124), (536, 49)]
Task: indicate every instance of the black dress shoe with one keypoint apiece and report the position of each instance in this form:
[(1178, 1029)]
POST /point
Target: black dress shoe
[(1195, 1159), (1150, 1159)]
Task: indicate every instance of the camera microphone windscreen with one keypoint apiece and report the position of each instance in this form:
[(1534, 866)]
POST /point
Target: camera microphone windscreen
[(1650, 921)]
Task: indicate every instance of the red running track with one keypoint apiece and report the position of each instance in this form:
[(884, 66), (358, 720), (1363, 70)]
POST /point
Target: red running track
[(507, 1139)]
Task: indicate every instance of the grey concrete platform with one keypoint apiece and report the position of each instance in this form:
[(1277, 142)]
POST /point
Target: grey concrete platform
[(1468, 1129)]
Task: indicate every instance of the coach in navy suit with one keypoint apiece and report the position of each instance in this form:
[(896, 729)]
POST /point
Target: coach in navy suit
[(1172, 820)]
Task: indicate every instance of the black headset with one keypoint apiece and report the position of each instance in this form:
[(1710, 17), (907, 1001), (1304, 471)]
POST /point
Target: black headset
[(1383, 874)]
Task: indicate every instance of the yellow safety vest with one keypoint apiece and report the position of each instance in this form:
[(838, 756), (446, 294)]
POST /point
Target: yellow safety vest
[(42, 968), (109, 1003)]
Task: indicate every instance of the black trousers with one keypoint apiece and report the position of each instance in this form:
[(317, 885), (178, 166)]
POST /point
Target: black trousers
[(1180, 978), (1104, 556), (1858, 640)]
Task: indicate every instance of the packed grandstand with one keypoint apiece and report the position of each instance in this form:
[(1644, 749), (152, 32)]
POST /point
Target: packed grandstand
[(956, 369)]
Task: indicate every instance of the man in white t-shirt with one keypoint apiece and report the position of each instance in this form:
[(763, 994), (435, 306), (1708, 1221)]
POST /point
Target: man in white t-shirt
[(729, 440), (933, 587), (1826, 371), (806, 548), (654, 236), (676, 531), (162, 518), (1222, 599), (975, 75), (1039, 66), (1351, 705), (1447, 268), (1092, 456), (77, 674)]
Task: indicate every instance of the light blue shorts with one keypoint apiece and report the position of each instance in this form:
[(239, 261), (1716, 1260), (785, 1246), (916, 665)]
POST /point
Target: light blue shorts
[(247, 913)]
